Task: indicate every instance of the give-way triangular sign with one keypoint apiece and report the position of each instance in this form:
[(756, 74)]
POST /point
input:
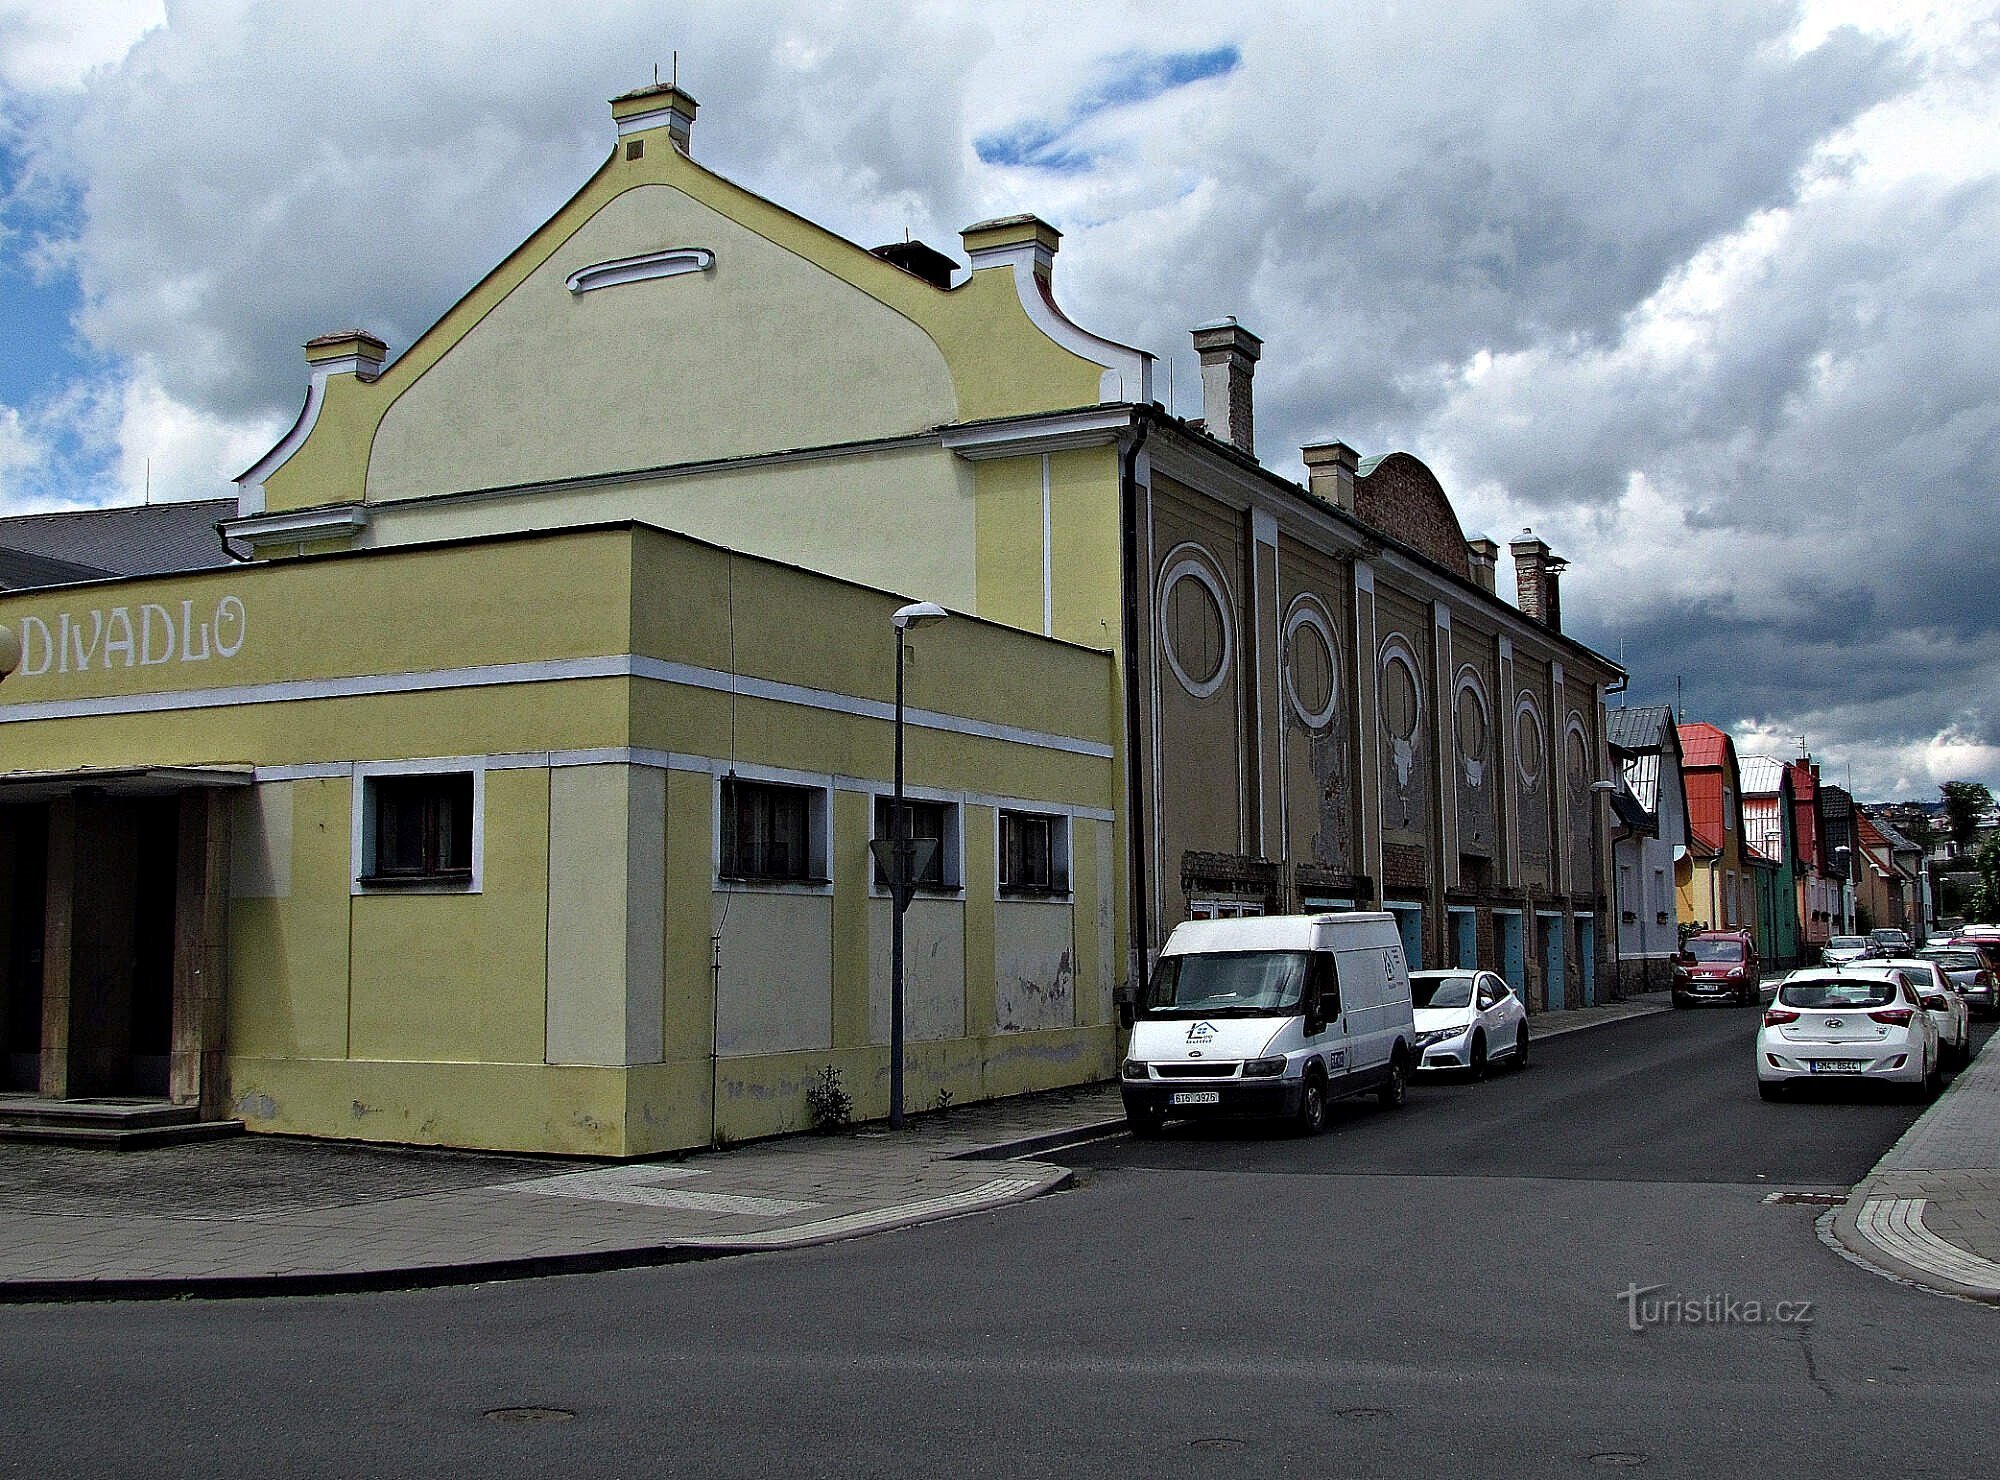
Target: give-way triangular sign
[(903, 862)]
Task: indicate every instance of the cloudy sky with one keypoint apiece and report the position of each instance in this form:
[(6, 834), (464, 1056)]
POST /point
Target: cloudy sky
[(1704, 292)]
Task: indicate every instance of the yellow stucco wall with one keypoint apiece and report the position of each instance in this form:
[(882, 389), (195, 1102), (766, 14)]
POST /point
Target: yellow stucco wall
[(764, 350), (564, 1003)]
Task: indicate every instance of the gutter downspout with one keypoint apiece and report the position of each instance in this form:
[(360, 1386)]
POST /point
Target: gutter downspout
[(1135, 826)]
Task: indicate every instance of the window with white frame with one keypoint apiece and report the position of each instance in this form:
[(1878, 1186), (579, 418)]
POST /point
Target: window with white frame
[(1034, 852), (773, 832), (935, 822), (417, 830), (1224, 909)]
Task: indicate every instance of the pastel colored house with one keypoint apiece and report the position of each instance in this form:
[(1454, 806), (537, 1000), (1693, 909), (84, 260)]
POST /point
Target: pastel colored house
[(1650, 843), (1714, 889), (1770, 822)]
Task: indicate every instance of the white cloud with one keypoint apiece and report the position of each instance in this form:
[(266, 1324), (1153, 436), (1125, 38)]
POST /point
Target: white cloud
[(1702, 291), (44, 46)]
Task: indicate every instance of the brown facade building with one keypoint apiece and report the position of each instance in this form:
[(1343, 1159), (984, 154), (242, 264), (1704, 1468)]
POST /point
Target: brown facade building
[(1336, 709)]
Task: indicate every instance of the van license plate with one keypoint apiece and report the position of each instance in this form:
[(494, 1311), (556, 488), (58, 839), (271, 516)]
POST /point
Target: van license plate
[(1196, 1097)]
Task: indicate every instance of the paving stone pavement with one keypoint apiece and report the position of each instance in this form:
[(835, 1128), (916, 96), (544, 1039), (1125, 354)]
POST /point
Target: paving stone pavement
[(260, 1215), (1929, 1211)]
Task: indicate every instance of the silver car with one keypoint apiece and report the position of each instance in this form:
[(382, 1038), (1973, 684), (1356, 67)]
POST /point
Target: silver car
[(1844, 950), (1969, 975)]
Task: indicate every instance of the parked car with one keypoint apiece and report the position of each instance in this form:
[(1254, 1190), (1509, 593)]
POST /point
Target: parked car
[(1972, 972), (1718, 966), (1277, 1015), (1863, 1024), (1843, 949), (1946, 1007), (1467, 1019), (1890, 941)]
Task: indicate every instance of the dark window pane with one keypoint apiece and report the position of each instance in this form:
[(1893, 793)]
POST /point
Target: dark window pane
[(423, 825), (765, 831)]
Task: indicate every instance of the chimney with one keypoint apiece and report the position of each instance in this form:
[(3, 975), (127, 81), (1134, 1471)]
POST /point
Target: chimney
[(662, 105), (1536, 572), (1229, 355), (346, 352), (1004, 239), (1330, 472), (918, 260), (1483, 555)]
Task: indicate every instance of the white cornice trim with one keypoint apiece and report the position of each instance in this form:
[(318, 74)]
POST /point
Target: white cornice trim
[(555, 670), (302, 527), (667, 117), (1128, 372), (1026, 438), (669, 262), (250, 482)]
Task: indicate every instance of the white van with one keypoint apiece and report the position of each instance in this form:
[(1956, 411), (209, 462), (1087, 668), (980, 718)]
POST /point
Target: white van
[(1271, 1015)]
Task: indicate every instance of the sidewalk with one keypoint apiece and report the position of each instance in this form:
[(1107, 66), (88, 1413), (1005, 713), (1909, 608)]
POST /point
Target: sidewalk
[(268, 1215), (1929, 1211), (265, 1215)]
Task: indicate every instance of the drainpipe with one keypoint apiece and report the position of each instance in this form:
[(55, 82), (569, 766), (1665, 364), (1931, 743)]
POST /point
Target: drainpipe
[(1135, 827)]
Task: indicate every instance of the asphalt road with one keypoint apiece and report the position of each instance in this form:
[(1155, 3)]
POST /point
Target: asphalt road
[(1426, 1291)]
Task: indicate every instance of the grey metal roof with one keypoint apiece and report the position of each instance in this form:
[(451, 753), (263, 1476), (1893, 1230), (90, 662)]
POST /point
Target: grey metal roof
[(146, 540), (1644, 728), (20, 571), (1642, 778), (1631, 813), (1894, 838), (1763, 775)]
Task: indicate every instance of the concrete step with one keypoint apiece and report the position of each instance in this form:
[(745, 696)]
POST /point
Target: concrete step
[(114, 1123), (142, 1138)]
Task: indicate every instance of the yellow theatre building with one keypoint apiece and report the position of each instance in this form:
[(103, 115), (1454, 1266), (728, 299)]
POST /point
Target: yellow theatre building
[(512, 784)]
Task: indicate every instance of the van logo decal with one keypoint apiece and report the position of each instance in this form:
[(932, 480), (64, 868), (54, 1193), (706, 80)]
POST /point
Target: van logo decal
[(1201, 1033), (1337, 1059)]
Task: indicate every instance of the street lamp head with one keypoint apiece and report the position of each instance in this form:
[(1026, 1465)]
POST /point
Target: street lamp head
[(918, 614), (1604, 786)]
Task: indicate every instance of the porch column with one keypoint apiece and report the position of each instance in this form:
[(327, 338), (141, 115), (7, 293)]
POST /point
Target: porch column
[(201, 957), (57, 935)]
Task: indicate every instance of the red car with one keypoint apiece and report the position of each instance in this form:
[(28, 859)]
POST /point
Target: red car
[(1718, 966)]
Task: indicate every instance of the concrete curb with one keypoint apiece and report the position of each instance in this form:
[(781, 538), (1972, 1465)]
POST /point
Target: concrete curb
[(1881, 1226), (999, 1193), (1648, 1009)]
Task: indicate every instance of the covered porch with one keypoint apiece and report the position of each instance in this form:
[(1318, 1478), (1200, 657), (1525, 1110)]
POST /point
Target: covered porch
[(114, 892)]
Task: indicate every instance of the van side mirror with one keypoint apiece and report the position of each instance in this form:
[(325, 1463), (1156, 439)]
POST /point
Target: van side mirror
[(1125, 1013), (1315, 1023)]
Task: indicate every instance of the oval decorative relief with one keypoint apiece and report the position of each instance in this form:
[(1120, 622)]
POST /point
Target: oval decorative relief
[(1470, 725), (1528, 744), (1311, 672), (1194, 627)]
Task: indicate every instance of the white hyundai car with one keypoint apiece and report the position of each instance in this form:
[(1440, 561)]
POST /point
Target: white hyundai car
[(1865, 1024), (1467, 1020), (1945, 1004)]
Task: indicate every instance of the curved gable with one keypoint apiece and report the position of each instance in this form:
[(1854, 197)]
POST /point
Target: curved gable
[(1401, 497), (750, 348)]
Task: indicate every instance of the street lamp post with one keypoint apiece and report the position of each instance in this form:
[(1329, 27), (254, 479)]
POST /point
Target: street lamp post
[(902, 865), (1844, 856)]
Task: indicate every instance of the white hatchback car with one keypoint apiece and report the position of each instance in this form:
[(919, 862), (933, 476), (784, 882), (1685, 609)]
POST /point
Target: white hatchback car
[(1466, 1020), (1945, 1004), (1864, 1023)]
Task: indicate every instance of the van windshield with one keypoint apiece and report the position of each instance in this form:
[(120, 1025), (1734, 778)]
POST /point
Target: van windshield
[(1227, 984), (1715, 950)]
